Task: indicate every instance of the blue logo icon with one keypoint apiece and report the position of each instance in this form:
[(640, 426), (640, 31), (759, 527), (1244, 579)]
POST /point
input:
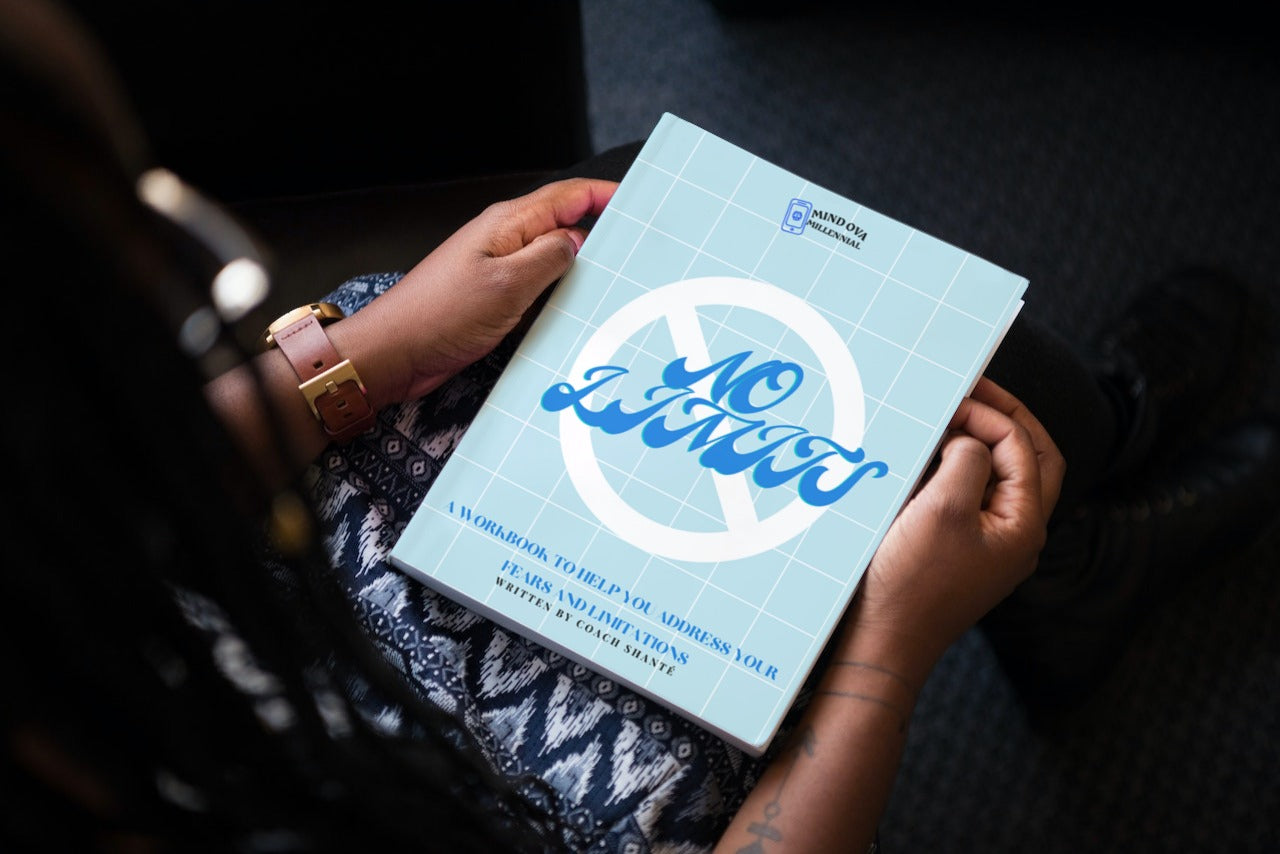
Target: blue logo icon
[(797, 216)]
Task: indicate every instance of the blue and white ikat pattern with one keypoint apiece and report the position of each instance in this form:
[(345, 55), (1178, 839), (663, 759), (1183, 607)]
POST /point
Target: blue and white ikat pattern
[(628, 774)]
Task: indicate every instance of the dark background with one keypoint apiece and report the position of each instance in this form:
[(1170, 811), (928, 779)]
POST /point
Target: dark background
[(1091, 149)]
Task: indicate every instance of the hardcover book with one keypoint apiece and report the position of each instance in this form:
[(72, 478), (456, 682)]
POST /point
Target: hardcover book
[(685, 469)]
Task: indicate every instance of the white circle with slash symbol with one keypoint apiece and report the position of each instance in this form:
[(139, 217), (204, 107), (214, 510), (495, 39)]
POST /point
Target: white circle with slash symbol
[(676, 304)]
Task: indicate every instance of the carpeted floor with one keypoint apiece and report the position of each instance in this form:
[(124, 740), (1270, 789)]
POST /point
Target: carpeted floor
[(1090, 161)]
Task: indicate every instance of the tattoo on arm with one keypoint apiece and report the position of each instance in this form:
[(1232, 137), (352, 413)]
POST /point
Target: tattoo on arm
[(880, 701), (804, 746), (854, 695), (866, 665), (764, 830)]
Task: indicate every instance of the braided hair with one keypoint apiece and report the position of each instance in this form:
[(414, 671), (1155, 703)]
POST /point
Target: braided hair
[(161, 689)]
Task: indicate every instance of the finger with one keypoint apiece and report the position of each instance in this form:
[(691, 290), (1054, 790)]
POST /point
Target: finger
[(580, 197), (560, 204), (1014, 461), (1049, 458), (962, 474), (992, 394)]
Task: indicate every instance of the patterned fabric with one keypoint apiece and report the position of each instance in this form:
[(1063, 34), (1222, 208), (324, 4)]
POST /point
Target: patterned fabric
[(630, 776)]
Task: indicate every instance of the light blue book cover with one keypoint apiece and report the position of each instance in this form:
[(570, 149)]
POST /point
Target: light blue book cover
[(684, 471)]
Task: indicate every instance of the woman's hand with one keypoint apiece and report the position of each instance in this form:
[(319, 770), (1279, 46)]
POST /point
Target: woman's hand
[(972, 532), (476, 287), (448, 311), (962, 543)]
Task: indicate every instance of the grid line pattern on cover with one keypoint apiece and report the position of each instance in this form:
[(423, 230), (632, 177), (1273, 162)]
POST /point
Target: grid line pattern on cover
[(685, 469)]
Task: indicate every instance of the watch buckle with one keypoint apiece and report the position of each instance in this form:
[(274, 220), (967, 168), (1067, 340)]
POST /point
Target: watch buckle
[(328, 382)]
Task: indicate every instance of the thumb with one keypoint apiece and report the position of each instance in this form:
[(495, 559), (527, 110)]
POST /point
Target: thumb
[(545, 258)]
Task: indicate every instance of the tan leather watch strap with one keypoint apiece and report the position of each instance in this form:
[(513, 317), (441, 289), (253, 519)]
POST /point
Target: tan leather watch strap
[(329, 383)]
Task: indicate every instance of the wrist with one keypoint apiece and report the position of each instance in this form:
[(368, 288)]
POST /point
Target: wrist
[(857, 680), (328, 379), (894, 644), (389, 354), (364, 351)]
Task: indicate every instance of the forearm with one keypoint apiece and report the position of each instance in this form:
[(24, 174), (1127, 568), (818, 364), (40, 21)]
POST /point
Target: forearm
[(827, 790)]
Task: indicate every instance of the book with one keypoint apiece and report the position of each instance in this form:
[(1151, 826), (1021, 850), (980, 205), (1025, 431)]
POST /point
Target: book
[(685, 469)]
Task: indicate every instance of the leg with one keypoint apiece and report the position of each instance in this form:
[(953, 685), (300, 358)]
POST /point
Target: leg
[(1186, 483)]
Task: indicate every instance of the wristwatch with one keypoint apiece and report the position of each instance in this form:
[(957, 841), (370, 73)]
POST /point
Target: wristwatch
[(329, 383)]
